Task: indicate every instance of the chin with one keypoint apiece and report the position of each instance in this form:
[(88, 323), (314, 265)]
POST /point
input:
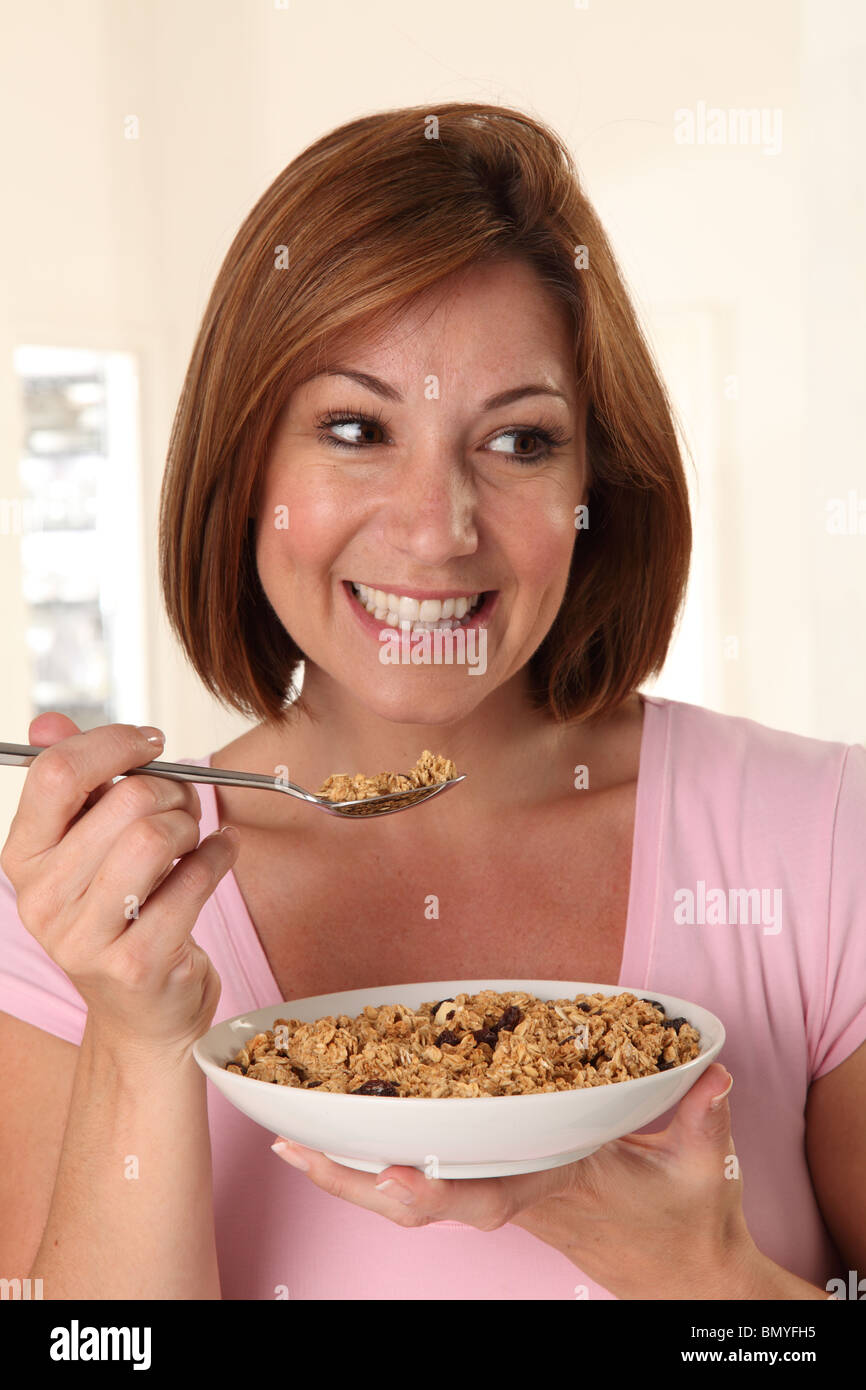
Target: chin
[(403, 705)]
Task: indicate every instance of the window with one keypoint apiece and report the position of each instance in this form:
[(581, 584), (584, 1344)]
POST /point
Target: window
[(79, 521)]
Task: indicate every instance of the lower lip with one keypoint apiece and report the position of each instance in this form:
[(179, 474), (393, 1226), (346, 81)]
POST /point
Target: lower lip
[(374, 626)]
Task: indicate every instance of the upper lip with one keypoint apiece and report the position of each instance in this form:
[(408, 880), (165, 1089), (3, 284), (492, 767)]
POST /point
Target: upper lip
[(407, 592)]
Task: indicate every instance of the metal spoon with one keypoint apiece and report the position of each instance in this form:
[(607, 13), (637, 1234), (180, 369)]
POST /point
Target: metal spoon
[(22, 754)]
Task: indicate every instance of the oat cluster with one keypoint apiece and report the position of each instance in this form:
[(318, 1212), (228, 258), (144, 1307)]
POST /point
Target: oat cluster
[(484, 1044), (427, 772)]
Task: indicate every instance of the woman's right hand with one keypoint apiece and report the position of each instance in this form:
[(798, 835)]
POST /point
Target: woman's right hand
[(92, 863)]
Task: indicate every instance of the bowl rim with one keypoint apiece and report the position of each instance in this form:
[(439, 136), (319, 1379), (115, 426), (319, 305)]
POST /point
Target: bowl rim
[(209, 1066)]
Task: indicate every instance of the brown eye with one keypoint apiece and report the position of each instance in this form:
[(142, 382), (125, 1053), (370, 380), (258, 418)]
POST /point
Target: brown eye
[(369, 429), (548, 440), (362, 430)]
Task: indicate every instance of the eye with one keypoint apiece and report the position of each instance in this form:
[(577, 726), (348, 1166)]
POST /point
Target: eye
[(362, 425), (550, 440)]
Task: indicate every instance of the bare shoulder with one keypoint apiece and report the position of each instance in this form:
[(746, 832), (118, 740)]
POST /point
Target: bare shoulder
[(836, 1152)]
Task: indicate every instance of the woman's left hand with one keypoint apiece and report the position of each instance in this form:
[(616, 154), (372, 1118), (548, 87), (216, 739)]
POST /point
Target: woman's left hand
[(655, 1216)]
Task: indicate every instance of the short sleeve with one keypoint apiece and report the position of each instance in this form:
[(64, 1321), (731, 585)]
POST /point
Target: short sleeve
[(843, 1019), (32, 987)]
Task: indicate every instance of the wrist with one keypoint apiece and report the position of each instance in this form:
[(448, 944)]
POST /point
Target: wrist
[(127, 1054), (732, 1272), (768, 1280), (736, 1270), (744, 1273)]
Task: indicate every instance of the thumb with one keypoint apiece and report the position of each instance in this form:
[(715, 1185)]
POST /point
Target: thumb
[(51, 727), (697, 1121)]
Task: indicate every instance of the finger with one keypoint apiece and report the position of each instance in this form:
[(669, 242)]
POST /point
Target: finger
[(60, 779), (171, 911), (349, 1183), (698, 1140), (486, 1203), (163, 876), (84, 847), (699, 1125), (49, 728), (124, 881)]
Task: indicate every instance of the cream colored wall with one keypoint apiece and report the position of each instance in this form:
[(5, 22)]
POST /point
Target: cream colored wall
[(743, 265)]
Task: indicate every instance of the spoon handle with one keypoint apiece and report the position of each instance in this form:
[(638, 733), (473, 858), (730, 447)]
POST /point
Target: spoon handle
[(22, 755)]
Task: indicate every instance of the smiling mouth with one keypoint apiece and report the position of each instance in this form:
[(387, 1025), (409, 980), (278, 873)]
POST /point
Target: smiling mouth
[(423, 615)]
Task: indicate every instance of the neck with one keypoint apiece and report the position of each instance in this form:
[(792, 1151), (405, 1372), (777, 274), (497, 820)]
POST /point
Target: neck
[(505, 746)]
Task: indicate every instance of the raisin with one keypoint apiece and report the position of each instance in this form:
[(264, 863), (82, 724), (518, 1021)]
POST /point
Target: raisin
[(663, 1065), (656, 1005), (486, 1035), (446, 1036), (585, 1007), (509, 1019), (599, 1057), (675, 1023), (376, 1088)]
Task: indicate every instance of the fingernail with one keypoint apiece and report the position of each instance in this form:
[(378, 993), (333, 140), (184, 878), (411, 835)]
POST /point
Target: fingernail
[(290, 1154), (717, 1100), (151, 734), (395, 1189), (230, 831)]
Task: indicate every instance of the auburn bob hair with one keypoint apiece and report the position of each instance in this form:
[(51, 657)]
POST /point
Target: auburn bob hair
[(369, 216)]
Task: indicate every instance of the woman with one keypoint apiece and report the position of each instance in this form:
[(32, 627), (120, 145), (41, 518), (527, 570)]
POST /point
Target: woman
[(419, 379)]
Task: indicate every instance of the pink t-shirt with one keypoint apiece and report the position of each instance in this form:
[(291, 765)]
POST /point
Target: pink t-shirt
[(723, 803)]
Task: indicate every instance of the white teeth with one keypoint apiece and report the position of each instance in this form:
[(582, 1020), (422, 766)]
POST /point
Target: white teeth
[(420, 616), (408, 609)]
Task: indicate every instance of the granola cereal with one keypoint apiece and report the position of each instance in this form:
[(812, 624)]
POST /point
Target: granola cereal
[(429, 770), (484, 1044)]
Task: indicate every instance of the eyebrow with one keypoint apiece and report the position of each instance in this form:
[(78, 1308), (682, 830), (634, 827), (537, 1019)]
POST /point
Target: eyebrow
[(389, 393)]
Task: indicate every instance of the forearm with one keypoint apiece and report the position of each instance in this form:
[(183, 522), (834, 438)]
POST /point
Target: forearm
[(131, 1214), (741, 1272)]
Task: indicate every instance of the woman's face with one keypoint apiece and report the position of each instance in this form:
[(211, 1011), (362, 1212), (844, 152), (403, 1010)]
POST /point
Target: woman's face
[(426, 491)]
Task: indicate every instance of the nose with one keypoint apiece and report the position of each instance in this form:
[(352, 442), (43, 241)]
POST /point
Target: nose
[(431, 514)]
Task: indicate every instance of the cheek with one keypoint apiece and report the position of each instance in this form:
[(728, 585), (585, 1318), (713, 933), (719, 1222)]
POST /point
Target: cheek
[(542, 541), (303, 525)]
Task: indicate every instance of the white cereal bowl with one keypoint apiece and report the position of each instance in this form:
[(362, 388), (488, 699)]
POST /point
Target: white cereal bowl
[(452, 1136)]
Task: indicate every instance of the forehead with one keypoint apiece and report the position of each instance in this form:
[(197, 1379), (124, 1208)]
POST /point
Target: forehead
[(482, 322)]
